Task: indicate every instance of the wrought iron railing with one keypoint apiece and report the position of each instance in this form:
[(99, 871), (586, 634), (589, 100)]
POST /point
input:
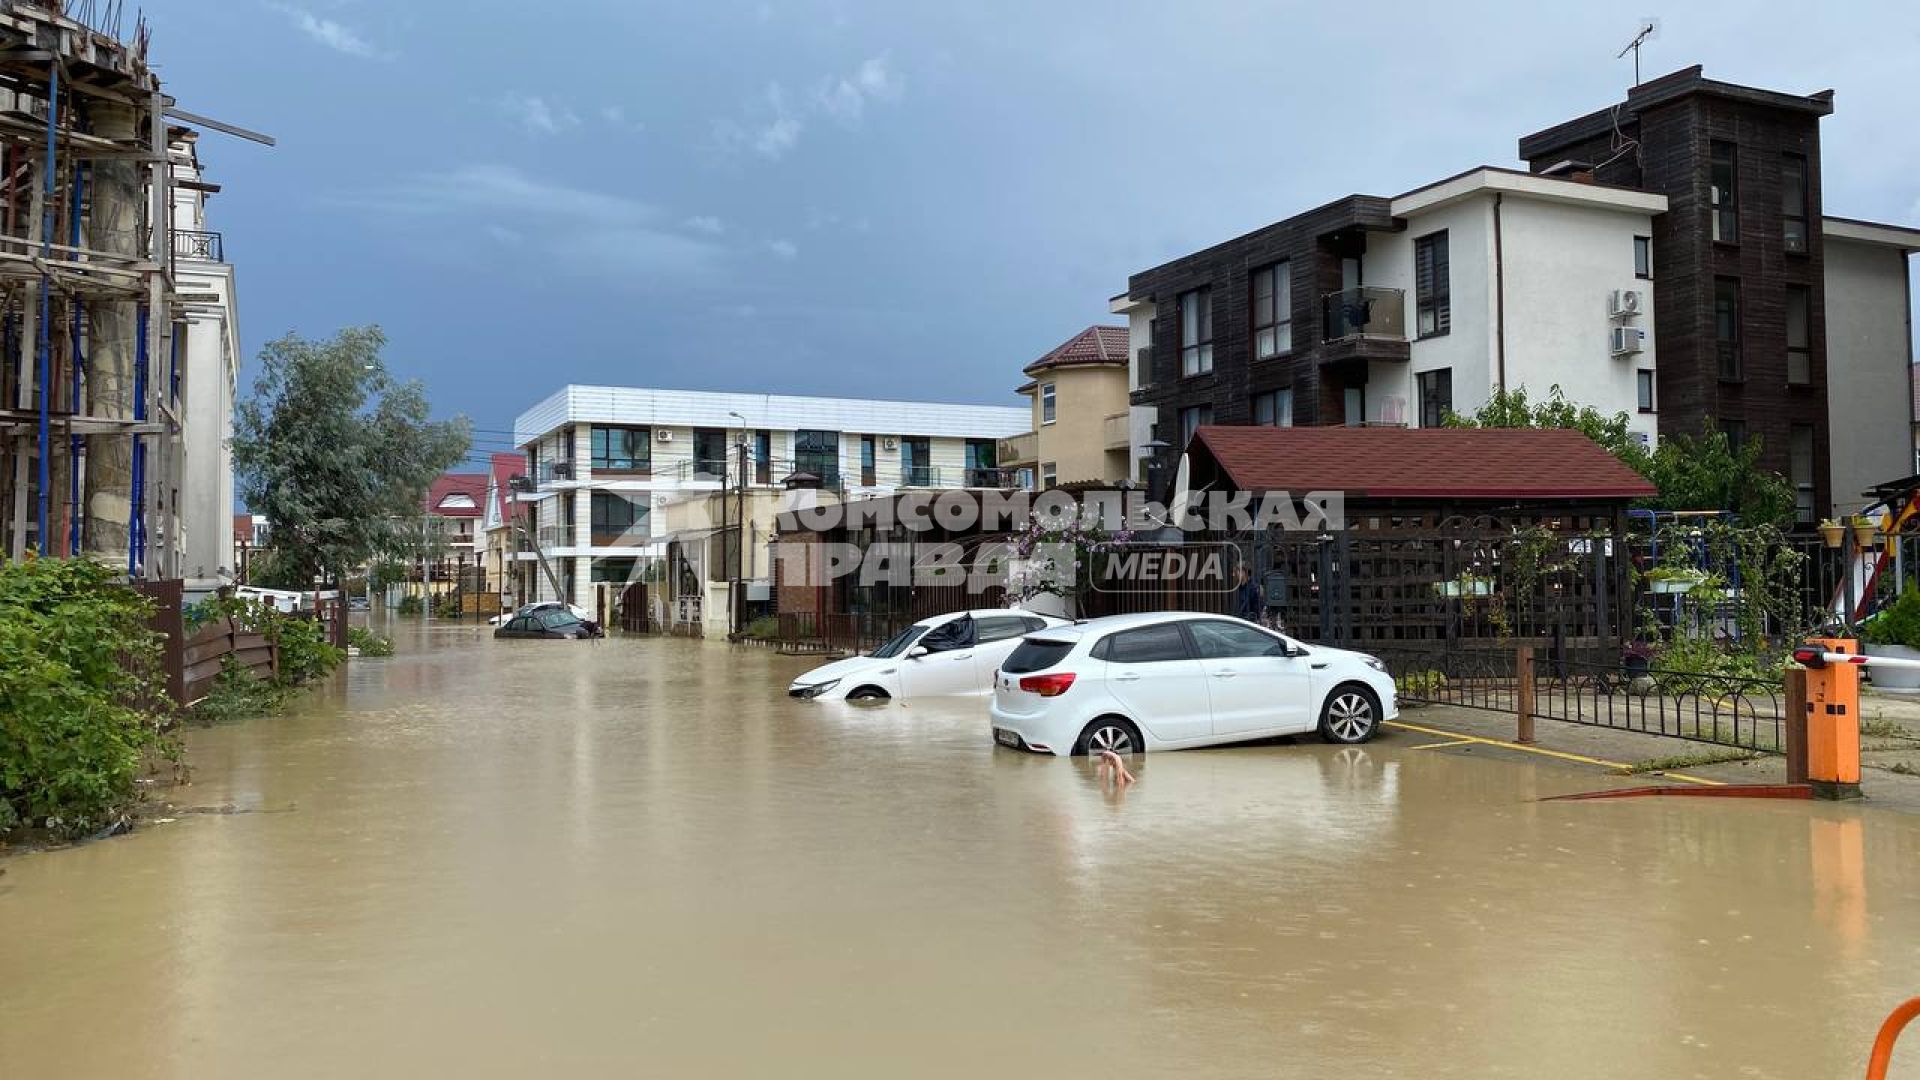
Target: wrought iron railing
[(199, 245)]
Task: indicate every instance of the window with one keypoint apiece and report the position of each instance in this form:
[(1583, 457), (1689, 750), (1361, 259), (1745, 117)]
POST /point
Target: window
[(1431, 284), (957, 634), (1274, 408), (1192, 419), (618, 518), (1726, 327), (1230, 641), (1353, 401), (1035, 654), (1147, 645), (868, 462), (1799, 335), (1643, 256), (998, 628), (818, 453), (981, 464), (763, 457), (615, 570), (1436, 397), (1196, 331), (916, 461), (1272, 311), (1049, 475), (1736, 433), (1793, 202), (622, 449), (1645, 384), (709, 454), (1800, 471), (1046, 403), (1722, 179)]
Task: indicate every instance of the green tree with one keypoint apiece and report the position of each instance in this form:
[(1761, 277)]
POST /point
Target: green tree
[(334, 452), (1700, 472)]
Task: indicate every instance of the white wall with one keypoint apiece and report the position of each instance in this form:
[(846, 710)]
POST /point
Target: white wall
[(1467, 347), (1869, 397), (1562, 264)]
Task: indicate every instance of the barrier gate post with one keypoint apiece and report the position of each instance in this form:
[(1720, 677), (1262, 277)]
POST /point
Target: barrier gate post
[(1832, 716)]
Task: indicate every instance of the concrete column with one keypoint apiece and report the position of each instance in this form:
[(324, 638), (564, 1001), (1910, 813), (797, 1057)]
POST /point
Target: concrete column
[(114, 227)]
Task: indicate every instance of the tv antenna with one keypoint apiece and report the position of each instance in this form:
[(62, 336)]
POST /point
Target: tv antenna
[(1649, 29)]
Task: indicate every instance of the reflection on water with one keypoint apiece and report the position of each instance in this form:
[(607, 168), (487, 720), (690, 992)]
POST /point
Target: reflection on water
[(639, 858)]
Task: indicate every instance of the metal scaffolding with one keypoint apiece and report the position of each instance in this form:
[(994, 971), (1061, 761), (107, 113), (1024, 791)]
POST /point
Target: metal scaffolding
[(90, 459)]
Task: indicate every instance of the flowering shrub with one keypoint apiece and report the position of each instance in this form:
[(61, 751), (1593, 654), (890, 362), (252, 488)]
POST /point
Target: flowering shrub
[(1059, 554)]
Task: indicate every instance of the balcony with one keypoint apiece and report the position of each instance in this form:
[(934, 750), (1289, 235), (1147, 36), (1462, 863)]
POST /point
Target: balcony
[(1366, 323), (549, 471), (198, 246), (1118, 431), (554, 536), (701, 470), (946, 476), (1017, 450)]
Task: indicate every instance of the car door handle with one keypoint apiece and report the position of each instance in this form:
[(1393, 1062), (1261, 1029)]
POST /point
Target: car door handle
[(1223, 674), (1128, 676)]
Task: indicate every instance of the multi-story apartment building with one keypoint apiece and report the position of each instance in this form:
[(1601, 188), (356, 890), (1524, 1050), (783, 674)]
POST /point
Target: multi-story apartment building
[(209, 356), (605, 461), (1083, 424), (1667, 258)]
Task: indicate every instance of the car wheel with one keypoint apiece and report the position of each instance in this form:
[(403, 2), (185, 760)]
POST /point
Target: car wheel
[(867, 693), (1110, 733), (1351, 715)]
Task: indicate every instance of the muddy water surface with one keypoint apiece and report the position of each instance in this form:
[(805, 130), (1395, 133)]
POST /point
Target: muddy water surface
[(636, 858)]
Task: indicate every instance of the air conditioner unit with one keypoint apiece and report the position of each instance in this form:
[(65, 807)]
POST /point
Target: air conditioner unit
[(1624, 302), (889, 443), (563, 470), (1625, 340), (663, 434), (1640, 438)]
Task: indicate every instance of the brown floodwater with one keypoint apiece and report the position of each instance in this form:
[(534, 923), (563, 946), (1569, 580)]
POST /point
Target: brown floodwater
[(637, 858)]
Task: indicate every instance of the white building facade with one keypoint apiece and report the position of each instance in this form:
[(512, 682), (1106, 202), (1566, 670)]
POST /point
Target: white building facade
[(207, 344), (606, 461)]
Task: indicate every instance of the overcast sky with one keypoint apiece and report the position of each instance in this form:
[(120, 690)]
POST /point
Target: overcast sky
[(887, 199)]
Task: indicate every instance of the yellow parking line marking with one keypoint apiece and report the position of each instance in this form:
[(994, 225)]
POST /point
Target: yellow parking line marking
[(1542, 751), (1442, 745)]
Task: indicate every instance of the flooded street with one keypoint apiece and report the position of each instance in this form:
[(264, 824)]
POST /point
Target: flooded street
[(637, 858)]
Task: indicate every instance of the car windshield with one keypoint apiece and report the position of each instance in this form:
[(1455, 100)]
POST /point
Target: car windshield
[(900, 643)]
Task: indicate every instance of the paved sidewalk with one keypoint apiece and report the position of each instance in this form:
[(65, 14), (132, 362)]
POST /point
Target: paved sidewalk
[(1890, 749)]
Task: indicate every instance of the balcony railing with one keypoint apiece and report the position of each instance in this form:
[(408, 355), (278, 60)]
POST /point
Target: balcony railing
[(554, 536), (1366, 312), (947, 476), (1016, 449), (1119, 432), (549, 471), (202, 246)]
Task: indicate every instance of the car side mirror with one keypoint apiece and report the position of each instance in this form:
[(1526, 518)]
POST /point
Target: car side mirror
[(916, 652)]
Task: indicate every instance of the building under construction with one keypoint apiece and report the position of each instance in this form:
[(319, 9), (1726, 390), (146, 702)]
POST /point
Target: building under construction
[(118, 348)]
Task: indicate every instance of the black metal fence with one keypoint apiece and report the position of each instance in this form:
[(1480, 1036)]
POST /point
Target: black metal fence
[(1597, 691)]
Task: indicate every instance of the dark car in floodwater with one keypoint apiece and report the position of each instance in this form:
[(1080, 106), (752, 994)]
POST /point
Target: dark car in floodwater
[(548, 623)]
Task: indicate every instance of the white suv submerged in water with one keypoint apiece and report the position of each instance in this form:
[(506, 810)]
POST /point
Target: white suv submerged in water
[(1172, 680), (956, 653)]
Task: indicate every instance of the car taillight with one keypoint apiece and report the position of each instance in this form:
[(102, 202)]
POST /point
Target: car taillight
[(1047, 685)]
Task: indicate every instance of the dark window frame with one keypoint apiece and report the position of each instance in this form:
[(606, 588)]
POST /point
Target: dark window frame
[(1805, 512), (601, 522), (1729, 352), (1442, 381), (1803, 352), (1202, 417), (1196, 356), (1432, 285), (1723, 204), (1790, 213), (1270, 402), (817, 451), (1049, 402), (1646, 390), (600, 449), (1643, 258), (1273, 312)]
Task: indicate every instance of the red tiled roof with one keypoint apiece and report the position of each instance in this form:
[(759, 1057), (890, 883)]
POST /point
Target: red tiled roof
[(472, 485), (505, 466), (1094, 345), (1421, 463)]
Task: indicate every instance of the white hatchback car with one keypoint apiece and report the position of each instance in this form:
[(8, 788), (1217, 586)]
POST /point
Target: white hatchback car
[(1173, 680), (955, 653)]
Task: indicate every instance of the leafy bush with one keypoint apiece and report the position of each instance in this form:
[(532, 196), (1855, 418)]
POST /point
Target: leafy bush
[(305, 653), (447, 605), (764, 628), (237, 694), (1697, 665), (410, 605), (79, 694), (1420, 683), (1898, 623), (368, 642)]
